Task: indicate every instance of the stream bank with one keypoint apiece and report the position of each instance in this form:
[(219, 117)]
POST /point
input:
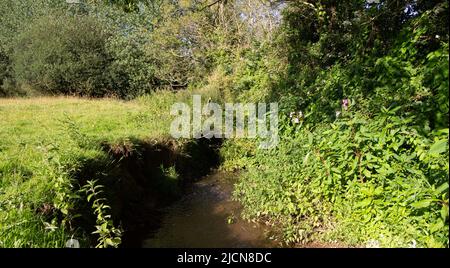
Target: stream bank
[(140, 178), (170, 194), (207, 217)]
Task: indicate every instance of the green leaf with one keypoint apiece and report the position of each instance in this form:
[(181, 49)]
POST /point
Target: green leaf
[(438, 147), (305, 159), (441, 188), (444, 212), (436, 226), (109, 242), (422, 204), (310, 138), (364, 203)]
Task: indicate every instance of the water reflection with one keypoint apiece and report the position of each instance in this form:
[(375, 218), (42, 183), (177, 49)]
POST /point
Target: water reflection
[(206, 217)]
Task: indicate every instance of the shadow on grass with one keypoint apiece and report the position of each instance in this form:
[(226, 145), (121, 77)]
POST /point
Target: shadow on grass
[(141, 177)]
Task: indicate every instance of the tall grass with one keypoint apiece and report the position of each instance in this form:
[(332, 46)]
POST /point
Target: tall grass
[(45, 140)]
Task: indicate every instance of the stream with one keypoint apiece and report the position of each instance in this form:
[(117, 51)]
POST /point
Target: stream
[(206, 217)]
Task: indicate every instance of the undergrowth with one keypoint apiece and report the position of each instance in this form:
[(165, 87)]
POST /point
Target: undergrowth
[(355, 180)]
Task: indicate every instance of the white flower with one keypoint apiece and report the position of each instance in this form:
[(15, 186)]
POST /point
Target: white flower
[(295, 120), (437, 36), (413, 244), (338, 113)]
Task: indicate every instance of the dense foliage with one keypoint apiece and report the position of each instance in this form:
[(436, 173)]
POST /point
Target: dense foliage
[(362, 86), (354, 180), (364, 156)]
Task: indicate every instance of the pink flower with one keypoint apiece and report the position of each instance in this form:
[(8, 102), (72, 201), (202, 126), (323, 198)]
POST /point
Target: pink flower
[(345, 104)]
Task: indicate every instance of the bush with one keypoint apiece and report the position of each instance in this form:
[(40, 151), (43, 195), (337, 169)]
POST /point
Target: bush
[(355, 180), (408, 68), (4, 71), (64, 55), (15, 16)]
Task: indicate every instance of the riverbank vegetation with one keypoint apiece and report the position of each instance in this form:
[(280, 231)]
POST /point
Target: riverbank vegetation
[(362, 88)]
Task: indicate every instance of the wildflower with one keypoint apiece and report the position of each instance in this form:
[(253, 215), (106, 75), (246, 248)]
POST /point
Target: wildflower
[(296, 117), (338, 113), (437, 36), (345, 104)]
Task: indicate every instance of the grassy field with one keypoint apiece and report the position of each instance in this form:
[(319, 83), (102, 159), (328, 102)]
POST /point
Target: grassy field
[(44, 140), (50, 147)]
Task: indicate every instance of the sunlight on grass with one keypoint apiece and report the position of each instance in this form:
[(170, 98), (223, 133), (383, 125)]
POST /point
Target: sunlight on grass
[(37, 147)]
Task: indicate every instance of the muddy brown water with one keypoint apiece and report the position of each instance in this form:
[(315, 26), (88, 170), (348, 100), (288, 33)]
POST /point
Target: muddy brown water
[(207, 217)]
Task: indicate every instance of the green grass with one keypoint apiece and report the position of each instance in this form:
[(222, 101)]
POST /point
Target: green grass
[(45, 140), (41, 144)]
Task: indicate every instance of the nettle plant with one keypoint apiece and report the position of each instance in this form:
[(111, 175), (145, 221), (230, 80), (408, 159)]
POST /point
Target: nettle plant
[(108, 234), (358, 179), (385, 179)]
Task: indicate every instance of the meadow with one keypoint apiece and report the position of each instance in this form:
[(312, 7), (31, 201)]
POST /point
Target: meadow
[(45, 139)]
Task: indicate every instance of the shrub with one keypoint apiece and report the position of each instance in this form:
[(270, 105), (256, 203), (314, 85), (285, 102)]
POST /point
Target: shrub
[(355, 180), (64, 54), (4, 71)]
